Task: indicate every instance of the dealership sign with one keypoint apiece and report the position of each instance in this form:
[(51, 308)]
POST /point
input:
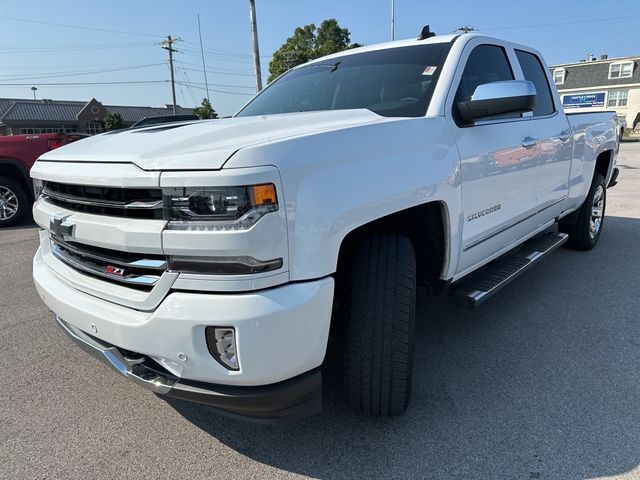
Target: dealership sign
[(583, 100)]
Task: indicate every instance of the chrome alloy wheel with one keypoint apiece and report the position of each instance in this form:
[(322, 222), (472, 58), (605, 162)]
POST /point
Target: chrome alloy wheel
[(597, 212), (8, 203)]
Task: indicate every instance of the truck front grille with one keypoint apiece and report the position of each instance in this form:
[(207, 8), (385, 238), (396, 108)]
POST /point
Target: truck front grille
[(111, 201), (132, 270)]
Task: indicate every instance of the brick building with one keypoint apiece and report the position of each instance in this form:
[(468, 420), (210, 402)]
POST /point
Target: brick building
[(27, 116), (601, 84)]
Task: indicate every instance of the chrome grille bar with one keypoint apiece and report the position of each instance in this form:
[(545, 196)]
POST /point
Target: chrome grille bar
[(139, 273), (102, 203), (144, 203), (147, 263)]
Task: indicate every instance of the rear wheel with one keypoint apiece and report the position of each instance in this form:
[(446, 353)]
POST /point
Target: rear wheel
[(380, 325), (585, 232), (14, 202)]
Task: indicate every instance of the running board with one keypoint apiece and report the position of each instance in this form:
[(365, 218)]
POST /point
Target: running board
[(478, 287)]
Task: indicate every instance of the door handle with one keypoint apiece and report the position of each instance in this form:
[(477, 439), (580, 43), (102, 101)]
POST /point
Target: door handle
[(564, 136), (529, 142)]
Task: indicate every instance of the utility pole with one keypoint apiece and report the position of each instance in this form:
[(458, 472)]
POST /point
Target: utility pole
[(34, 89), (466, 29), (168, 45), (256, 50), (393, 20)]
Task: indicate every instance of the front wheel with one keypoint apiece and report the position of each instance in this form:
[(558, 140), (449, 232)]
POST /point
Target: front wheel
[(585, 232), (14, 202), (381, 324)]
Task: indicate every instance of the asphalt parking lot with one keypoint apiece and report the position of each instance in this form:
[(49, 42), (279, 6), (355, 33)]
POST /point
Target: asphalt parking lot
[(543, 381)]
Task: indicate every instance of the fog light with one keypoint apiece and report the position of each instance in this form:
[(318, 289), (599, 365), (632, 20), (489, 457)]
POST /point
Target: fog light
[(221, 342)]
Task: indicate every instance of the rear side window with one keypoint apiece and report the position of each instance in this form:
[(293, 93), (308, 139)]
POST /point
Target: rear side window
[(533, 71), (486, 64)]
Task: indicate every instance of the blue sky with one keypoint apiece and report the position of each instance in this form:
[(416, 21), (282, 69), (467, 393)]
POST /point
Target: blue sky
[(118, 41)]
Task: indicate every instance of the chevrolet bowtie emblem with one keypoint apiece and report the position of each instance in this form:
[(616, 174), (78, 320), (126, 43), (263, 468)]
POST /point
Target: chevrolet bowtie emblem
[(60, 227)]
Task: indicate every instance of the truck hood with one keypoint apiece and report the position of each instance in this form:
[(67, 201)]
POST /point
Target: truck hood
[(203, 145)]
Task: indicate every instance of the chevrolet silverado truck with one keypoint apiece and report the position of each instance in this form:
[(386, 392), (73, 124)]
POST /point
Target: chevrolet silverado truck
[(209, 261), (18, 153)]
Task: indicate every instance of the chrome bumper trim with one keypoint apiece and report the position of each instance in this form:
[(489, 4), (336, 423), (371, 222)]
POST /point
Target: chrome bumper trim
[(115, 359), (275, 403)]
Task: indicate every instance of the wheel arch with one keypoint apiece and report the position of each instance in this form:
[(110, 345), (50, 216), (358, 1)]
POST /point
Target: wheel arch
[(426, 225), (15, 170)]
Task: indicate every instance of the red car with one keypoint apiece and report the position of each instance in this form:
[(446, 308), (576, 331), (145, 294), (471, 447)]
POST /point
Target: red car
[(17, 154)]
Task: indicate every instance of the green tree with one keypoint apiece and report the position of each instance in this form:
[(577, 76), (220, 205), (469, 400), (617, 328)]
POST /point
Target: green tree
[(308, 43), (113, 121), (205, 110)]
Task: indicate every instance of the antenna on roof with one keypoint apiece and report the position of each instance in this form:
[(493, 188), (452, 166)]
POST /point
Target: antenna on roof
[(465, 29), (426, 33)]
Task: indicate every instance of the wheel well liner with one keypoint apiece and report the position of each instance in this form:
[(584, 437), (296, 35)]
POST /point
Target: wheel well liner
[(424, 225), (603, 163)]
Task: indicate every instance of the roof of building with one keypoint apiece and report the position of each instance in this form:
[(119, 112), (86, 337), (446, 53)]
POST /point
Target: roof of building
[(596, 74), (66, 111), (596, 61)]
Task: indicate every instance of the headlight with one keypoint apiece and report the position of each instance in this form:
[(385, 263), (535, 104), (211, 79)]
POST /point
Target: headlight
[(38, 186), (218, 208)]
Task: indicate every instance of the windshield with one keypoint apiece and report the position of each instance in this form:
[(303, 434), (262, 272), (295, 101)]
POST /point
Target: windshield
[(395, 82)]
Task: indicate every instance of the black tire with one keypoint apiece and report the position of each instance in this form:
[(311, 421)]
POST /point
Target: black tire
[(380, 325), (583, 235), (12, 196)]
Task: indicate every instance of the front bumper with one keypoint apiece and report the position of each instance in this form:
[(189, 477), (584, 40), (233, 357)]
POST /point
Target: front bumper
[(281, 336), (293, 398)]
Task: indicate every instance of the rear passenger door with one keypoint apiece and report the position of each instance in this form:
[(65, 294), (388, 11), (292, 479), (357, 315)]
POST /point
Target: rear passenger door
[(552, 132), (498, 164)]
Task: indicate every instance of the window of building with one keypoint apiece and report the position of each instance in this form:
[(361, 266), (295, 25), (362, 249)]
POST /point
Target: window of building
[(558, 76), (94, 128), (36, 131), (621, 70), (534, 72), (618, 98)]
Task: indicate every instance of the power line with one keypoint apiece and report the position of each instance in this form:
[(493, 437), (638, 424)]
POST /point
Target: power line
[(223, 85), (78, 73), (222, 72), (204, 67), (216, 51), (556, 24), (223, 91), (138, 82), (186, 78), (80, 27), (66, 67), (69, 47)]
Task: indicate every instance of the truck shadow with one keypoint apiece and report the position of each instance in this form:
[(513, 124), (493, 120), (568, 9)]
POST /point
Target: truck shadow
[(541, 381)]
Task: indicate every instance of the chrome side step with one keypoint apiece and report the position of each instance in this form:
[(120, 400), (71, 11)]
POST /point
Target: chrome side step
[(471, 292)]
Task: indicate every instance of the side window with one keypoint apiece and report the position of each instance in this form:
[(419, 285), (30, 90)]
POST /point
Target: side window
[(533, 71), (487, 63)]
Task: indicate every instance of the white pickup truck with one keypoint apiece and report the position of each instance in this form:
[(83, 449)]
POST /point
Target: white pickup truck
[(209, 260)]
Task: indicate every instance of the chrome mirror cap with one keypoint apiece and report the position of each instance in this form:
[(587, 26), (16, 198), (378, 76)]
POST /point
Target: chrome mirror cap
[(499, 98)]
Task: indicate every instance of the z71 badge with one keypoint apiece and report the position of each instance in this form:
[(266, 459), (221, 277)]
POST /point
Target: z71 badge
[(482, 213), (111, 270)]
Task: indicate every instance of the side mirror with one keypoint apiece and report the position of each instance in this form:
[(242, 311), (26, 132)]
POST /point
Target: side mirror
[(499, 98)]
